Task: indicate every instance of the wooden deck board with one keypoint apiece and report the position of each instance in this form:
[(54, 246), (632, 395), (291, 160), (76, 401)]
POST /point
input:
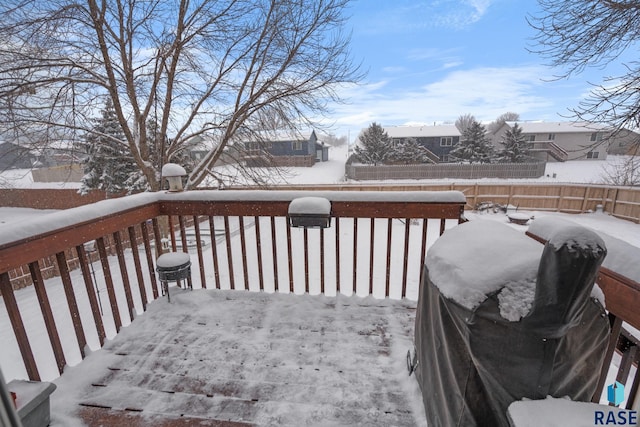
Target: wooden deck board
[(247, 358)]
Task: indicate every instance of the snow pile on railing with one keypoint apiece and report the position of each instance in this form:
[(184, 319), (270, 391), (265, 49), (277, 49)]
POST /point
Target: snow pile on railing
[(69, 217)]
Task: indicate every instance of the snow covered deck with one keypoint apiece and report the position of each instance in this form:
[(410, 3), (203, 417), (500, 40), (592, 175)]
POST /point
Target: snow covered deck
[(216, 357)]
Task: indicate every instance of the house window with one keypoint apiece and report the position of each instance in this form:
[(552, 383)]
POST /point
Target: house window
[(551, 137), (446, 141), (593, 154), (596, 136), (444, 158), (296, 145), (530, 138)]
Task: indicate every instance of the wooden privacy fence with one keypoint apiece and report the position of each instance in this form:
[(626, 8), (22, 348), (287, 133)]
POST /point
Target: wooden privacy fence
[(252, 247), (445, 170), (621, 202)]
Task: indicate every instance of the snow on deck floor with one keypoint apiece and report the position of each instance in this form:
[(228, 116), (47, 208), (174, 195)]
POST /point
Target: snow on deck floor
[(250, 358)]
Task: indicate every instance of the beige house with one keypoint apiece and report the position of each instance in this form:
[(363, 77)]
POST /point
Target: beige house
[(561, 141)]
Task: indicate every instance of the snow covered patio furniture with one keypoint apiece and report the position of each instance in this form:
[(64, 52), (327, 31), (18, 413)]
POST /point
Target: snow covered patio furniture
[(173, 266), (501, 318), (32, 401)]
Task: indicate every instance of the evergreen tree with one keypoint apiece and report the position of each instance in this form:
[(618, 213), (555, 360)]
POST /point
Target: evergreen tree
[(409, 152), (375, 146), (109, 165), (515, 148), (474, 146)]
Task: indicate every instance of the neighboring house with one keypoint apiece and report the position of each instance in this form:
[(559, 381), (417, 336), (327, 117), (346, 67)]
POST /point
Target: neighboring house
[(13, 156), (626, 142), (439, 140), (561, 141), (286, 149), (58, 153)]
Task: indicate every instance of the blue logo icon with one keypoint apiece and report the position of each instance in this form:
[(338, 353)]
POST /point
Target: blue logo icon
[(615, 393)]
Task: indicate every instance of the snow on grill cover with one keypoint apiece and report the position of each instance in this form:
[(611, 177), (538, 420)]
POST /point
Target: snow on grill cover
[(501, 318)]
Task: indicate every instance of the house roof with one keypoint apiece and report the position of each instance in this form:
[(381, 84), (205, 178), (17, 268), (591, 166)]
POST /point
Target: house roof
[(560, 127), (282, 135), (421, 131)]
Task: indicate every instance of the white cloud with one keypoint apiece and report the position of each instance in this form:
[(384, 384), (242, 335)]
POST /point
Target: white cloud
[(409, 15), (484, 92)]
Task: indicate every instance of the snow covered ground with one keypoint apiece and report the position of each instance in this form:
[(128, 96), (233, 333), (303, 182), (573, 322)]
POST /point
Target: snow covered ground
[(332, 172)]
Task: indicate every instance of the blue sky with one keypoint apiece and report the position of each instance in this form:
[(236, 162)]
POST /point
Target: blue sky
[(432, 61)]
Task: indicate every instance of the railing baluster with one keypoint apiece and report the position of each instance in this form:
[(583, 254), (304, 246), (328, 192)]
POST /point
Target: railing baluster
[(18, 327), (305, 235), (259, 249), (337, 255), (405, 254), (227, 238), (183, 241), (157, 237), (387, 289), (47, 314), (61, 259), (372, 233), (243, 251), (274, 253), (628, 357), (172, 233), (133, 240), (106, 270), (423, 249), (355, 255), (322, 231), (616, 327), (124, 274), (290, 261), (147, 250), (91, 293), (633, 391), (214, 252), (196, 227)]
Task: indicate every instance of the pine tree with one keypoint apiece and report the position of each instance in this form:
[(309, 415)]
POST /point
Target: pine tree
[(515, 148), (375, 146), (109, 165), (409, 152), (474, 146)]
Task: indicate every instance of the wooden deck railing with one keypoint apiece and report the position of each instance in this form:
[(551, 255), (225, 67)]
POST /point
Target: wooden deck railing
[(252, 247), (375, 246)]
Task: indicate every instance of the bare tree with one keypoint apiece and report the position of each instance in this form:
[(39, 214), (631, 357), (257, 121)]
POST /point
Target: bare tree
[(576, 34), (495, 125), (202, 67), (464, 122), (626, 172)]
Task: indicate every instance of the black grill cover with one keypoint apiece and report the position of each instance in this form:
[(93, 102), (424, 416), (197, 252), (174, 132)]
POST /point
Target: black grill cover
[(473, 363)]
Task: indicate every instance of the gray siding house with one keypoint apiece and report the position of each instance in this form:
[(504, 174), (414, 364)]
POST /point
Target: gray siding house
[(286, 149), (439, 140), (561, 141)]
